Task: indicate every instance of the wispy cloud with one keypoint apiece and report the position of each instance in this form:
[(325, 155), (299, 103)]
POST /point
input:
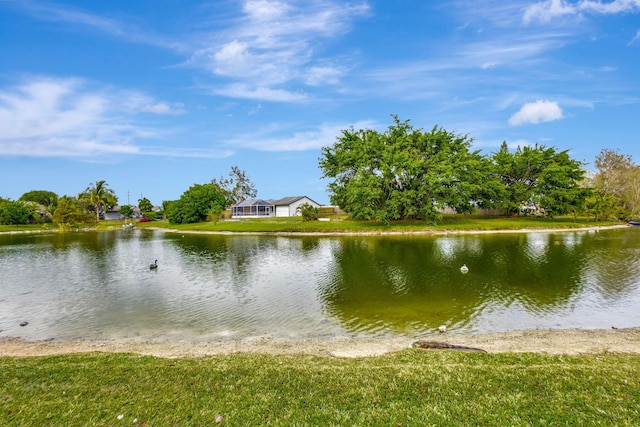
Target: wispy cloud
[(537, 112), (71, 118), (54, 12), (279, 138), (547, 10), (273, 46), (257, 92)]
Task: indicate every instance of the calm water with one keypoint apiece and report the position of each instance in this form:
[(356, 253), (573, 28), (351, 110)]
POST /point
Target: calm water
[(98, 285)]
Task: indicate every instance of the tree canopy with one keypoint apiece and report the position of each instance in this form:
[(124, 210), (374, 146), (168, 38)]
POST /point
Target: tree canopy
[(539, 177), (48, 199), (237, 187), (99, 197), (69, 213), (145, 205), (126, 211), (617, 182), (195, 204), (15, 212), (406, 173)]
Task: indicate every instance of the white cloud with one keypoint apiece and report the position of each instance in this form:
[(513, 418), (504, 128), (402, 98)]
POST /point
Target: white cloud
[(312, 139), (246, 91), (265, 10), (162, 108), (547, 10), (272, 48), (615, 6), (233, 59), (69, 118), (320, 75), (269, 50), (537, 112)]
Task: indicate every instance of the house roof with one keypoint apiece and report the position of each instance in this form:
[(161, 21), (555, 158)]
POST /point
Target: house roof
[(286, 201), (253, 202)]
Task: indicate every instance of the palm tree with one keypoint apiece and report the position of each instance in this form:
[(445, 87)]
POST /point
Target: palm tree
[(99, 196)]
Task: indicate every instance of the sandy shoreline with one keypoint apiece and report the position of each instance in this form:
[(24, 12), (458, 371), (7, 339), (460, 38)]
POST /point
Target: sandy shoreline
[(391, 233), (563, 341), (350, 233)]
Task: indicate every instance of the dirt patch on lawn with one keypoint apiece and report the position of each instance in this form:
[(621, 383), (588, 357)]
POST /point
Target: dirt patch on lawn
[(565, 341)]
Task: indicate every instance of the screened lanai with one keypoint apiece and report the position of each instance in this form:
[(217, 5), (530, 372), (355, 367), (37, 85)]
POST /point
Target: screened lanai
[(253, 208)]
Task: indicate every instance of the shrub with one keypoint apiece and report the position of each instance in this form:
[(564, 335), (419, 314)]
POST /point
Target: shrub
[(308, 212)]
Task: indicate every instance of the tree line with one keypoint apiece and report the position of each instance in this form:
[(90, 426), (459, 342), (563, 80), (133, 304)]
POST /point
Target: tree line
[(407, 173), (402, 173), (67, 211), (200, 202)]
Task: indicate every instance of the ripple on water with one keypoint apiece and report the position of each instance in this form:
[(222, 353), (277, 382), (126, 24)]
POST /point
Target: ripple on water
[(216, 287)]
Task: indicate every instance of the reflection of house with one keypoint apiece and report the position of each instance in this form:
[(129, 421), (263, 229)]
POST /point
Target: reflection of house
[(269, 208)]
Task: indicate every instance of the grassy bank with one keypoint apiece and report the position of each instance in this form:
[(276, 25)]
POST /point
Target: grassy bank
[(28, 227), (343, 225), (410, 387), (340, 224)]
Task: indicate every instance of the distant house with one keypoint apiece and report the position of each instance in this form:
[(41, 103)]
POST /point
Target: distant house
[(285, 207), (114, 213), (288, 206), (252, 208)]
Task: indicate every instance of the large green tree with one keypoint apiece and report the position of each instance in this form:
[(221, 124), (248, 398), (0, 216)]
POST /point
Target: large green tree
[(69, 213), (195, 204), (16, 212), (126, 211), (618, 177), (99, 197), (145, 205), (48, 199), (406, 173), (540, 177)]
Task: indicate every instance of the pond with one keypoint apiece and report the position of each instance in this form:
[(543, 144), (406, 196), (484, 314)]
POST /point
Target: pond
[(98, 285)]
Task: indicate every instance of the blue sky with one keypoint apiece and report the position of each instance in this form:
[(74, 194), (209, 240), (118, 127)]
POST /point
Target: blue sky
[(155, 96)]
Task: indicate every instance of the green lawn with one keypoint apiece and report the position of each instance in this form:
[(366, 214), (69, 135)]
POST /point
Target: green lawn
[(341, 224), (412, 387), (344, 225)]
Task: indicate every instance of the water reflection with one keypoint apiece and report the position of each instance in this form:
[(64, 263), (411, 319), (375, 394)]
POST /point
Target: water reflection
[(412, 285), (98, 285)]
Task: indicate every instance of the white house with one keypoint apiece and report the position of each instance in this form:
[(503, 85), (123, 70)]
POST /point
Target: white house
[(288, 206), (259, 208)]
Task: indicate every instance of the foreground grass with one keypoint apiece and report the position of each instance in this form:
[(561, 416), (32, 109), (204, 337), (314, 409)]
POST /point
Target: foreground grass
[(411, 387)]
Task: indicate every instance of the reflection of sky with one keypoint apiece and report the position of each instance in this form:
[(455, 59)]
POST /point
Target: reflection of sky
[(449, 247), (537, 244), (571, 239), (585, 311)]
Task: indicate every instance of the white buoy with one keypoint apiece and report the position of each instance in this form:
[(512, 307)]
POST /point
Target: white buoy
[(464, 269)]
